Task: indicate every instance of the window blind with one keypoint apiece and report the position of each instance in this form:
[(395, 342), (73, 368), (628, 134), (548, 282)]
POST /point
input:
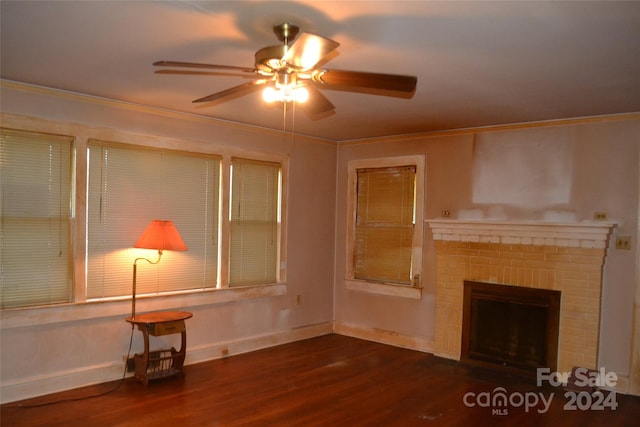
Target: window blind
[(130, 186), (35, 206), (254, 222), (385, 217)]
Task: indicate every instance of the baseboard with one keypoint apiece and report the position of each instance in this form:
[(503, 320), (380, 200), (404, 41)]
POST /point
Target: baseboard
[(384, 337), (66, 380), (59, 381), (198, 354), (622, 385)]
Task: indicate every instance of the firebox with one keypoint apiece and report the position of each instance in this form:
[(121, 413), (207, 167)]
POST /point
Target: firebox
[(511, 327)]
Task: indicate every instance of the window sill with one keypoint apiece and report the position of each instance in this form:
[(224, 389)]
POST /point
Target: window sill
[(38, 316), (384, 289)]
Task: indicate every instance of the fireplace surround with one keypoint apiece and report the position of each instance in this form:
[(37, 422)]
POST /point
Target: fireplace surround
[(565, 257)]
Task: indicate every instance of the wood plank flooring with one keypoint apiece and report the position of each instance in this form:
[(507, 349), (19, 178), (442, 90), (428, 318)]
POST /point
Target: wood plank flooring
[(325, 381)]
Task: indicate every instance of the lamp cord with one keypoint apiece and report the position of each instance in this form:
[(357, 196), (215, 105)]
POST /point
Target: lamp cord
[(75, 399)]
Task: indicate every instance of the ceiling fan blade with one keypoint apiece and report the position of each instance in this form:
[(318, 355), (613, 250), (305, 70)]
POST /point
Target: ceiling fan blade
[(358, 79), (205, 73), (197, 65), (317, 102), (308, 50), (240, 90)]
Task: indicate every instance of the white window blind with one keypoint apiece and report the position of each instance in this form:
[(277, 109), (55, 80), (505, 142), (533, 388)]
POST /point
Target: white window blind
[(384, 226), (255, 222), (35, 206), (130, 186)]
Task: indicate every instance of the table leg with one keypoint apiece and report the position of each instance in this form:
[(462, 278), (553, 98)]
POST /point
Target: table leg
[(142, 361), (179, 360)]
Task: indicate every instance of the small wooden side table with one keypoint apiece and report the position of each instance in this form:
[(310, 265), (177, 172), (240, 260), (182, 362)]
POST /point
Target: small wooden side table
[(152, 365)]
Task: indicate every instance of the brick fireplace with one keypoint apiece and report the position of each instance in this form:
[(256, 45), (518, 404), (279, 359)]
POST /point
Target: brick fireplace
[(564, 257)]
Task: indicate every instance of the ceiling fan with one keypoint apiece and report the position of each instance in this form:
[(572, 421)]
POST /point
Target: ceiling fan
[(293, 72)]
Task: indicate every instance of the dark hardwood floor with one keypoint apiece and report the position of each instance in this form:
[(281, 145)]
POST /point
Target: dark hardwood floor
[(326, 381)]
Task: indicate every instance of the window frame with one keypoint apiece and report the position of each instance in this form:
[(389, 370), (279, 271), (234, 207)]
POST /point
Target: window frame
[(414, 290), (168, 158), (233, 218), (225, 221), (64, 218)]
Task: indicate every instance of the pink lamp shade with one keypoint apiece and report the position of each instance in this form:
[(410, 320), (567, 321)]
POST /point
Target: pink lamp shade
[(161, 235)]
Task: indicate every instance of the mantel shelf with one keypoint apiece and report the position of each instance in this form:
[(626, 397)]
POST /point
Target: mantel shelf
[(586, 234)]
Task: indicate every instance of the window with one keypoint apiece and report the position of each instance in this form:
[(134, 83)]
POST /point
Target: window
[(35, 206), (385, 222), (385, 216), (130, 186), (49, 256), (255, 222)]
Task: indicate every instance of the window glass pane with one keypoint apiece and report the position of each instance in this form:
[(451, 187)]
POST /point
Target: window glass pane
[(130, 186), (35, 206), (255, 222), (385, 214)]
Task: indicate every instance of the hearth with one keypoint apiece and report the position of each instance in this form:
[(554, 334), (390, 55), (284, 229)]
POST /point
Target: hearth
[(510, 327)]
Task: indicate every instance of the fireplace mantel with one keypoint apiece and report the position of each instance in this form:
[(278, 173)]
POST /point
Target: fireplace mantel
[(586, 234)]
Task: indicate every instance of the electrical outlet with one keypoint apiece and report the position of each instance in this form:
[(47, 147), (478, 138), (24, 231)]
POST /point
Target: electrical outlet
[(131, 364), (623, 242), (600, 216)]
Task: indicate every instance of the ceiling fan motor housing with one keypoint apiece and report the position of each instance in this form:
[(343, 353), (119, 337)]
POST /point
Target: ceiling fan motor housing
[(269, 59)]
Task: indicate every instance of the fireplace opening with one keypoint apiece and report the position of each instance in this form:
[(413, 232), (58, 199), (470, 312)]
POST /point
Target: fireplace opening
[(510, 327)]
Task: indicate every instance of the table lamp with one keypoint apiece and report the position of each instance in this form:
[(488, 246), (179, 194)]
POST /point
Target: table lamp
[(161, 235)]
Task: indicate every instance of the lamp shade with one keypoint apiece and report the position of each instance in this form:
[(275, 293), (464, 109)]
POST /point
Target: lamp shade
[(161, 235)]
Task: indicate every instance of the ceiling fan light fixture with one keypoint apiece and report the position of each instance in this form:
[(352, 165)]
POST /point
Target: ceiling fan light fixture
[(285, 94)]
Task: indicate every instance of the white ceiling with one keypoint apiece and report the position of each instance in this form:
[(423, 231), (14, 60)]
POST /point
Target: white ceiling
[(478, 63)]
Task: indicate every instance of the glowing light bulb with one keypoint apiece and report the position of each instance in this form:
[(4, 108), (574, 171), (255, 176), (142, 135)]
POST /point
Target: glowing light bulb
[(285, 94), (270, 94), (301, 94)]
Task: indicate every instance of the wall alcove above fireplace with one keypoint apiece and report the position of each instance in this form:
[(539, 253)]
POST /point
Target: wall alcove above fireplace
[(508, 326)]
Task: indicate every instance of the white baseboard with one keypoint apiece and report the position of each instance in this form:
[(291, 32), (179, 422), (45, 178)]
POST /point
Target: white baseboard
[(622, 385), (244, 345), (34, 386), (384, 337), (40, 385)]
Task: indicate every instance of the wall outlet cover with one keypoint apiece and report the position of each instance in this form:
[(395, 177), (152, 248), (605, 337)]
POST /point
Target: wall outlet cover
[(623, 242)]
